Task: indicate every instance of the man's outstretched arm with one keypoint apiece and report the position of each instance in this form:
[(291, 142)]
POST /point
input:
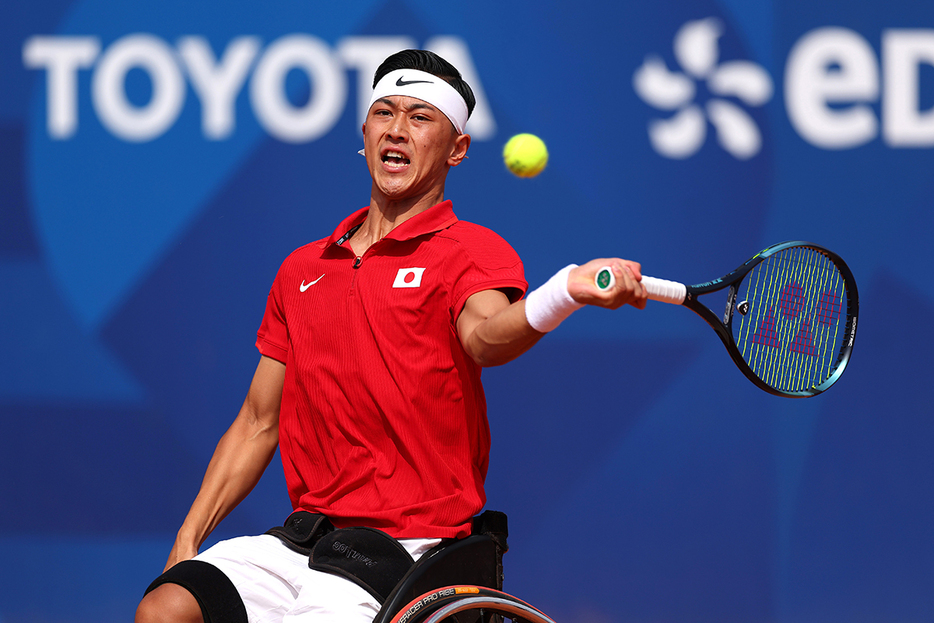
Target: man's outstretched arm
[(494, 331)]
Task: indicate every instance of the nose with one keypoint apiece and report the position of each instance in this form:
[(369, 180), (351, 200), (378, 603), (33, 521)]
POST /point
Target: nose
[(399, 130)]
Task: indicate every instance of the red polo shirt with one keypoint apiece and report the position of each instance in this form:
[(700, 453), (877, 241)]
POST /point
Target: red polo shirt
[(383, 418)]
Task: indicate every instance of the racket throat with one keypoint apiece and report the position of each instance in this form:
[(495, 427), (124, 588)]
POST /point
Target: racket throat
[(730, 305)]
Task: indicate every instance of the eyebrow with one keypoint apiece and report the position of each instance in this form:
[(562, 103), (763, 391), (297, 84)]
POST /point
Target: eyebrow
[(413, 106)]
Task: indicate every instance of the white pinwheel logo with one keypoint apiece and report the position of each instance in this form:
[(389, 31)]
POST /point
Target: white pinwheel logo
[(697, 50)]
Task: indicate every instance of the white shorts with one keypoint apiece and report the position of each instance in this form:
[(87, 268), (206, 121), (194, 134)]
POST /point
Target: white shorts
[(276, 584)]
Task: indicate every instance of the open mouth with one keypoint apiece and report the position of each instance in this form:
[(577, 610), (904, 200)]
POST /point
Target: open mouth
[(395, 159)]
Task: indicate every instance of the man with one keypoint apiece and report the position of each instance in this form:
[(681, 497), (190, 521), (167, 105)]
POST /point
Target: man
[(369, 380)]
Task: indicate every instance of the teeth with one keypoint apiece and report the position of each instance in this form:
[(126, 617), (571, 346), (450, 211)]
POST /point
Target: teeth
[(395, 159)]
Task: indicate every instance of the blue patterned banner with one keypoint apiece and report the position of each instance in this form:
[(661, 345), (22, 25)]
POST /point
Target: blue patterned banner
[(161, 159)]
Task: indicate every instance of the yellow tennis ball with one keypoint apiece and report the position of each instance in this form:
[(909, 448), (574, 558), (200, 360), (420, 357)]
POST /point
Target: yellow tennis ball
[(525, 155)]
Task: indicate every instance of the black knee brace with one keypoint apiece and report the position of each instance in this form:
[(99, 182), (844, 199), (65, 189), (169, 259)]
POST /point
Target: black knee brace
[(218, 597)]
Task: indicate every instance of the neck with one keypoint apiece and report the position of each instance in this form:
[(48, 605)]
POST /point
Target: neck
[(386, 214)]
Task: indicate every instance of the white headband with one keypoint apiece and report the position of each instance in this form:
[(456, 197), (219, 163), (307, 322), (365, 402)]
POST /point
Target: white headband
[(426, 87)]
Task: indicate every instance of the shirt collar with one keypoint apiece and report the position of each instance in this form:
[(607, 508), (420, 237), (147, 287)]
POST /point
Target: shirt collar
[(435, 218)]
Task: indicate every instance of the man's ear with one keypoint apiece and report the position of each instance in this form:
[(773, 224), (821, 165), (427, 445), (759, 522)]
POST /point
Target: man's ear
[(459, 152)]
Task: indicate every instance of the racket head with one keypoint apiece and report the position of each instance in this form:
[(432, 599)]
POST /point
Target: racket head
[(791, 319)]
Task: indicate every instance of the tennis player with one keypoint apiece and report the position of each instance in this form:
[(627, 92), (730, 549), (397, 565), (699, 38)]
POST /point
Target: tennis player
[(369, 377)]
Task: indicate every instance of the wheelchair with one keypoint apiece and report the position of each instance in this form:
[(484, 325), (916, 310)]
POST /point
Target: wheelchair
[(457, 581), (460, 582)]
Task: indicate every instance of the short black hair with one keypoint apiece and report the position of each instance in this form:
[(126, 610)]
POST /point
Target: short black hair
[(431, 63)]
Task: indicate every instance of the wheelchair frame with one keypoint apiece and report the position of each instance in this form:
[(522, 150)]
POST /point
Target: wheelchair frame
[(460, 582)]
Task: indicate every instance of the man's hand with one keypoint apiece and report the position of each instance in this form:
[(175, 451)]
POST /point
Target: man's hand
[(627, 291)]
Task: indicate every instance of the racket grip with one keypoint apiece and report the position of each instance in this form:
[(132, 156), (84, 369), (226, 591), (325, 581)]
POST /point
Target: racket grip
[(658, 289), (665, 291)]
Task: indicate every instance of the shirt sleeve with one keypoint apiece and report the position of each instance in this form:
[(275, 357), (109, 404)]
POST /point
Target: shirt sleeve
[(272, 339), (487, 263)]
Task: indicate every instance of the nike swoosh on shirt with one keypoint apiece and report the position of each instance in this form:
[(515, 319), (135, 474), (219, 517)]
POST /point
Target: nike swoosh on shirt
[(305, 286)]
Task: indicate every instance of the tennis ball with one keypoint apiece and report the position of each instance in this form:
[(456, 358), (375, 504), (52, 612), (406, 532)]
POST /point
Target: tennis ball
[(525, 155)]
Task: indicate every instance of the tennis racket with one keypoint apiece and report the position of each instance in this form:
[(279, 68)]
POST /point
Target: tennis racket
[(790, 318)]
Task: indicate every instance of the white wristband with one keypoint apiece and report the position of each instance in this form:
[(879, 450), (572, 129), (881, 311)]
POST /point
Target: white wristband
[(549, 304)]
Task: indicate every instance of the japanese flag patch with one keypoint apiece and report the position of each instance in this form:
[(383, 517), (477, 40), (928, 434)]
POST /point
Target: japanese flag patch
[(408, 278)]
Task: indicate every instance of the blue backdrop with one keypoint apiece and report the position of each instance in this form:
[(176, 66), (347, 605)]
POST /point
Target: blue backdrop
[(160, 159)]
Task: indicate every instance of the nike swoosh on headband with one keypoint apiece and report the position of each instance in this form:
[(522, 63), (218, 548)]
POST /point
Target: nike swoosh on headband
[(401, 83)]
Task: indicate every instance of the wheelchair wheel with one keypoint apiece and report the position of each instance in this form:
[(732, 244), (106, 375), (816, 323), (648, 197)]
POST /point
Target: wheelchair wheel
[(469, 604)]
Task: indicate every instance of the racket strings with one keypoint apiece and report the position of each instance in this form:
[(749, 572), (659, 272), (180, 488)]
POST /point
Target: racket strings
[(792, 333)]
